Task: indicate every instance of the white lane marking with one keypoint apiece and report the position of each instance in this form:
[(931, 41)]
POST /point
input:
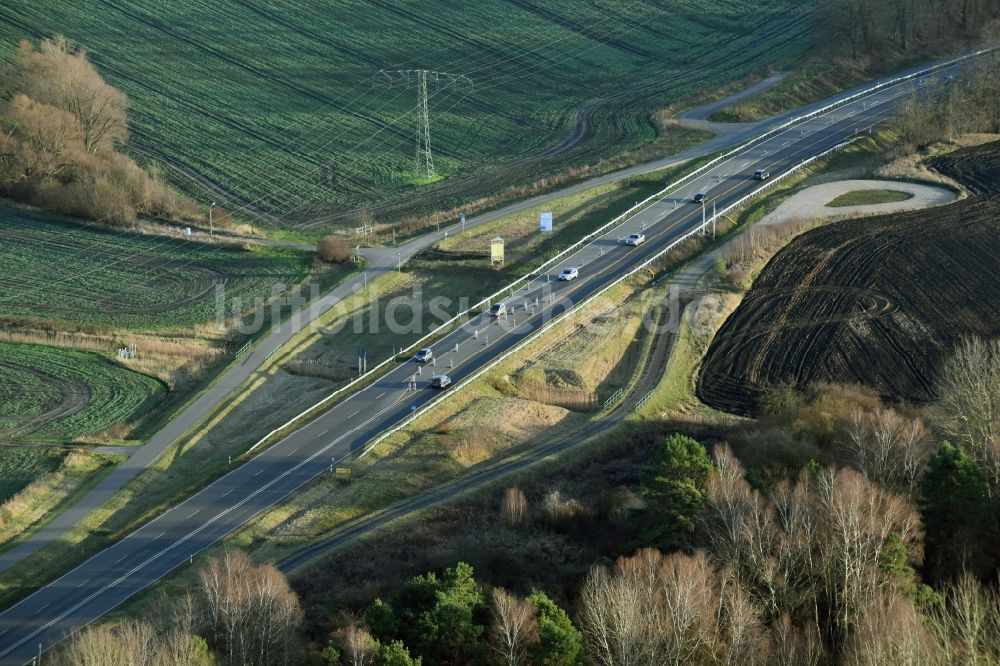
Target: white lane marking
[(192, 514), (380, 395), (262, 470), (323, 433), (120, 559), (292, 451), (84, 583), (356, 413), (229, 491), (44, 607)]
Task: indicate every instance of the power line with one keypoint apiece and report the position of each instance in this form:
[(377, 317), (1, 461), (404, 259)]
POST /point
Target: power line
[(424, 164)]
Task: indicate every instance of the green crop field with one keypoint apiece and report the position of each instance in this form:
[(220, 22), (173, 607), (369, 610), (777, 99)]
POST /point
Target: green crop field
[(58, 395), (19, 466), (48, 272), (283, 105)]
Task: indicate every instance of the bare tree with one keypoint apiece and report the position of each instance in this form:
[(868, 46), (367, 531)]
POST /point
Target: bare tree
[(252, 612), (133, 643), (887, 447), (891, 631), (860, 518), (611, 620), (59, 126), (62, 77), (360, 648), (744, 639), (810, 551), (967, 623), (515, 506), (657, 609), (796, 646), (96, 645), (968, 402), (46, 141), (514, 626)]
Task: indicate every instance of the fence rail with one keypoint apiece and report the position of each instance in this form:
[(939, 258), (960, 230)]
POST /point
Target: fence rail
[(611, 398), (644, 399)]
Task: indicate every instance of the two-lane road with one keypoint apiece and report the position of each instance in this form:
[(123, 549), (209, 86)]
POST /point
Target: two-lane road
[(172, 539)]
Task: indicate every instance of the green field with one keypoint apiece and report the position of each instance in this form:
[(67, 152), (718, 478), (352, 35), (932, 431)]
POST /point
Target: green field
[(60, 273), (58, 395), (282, 104), (19, 466)]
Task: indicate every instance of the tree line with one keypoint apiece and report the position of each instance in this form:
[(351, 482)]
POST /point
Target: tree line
[(966, 104), (866, 30), (60, 127)]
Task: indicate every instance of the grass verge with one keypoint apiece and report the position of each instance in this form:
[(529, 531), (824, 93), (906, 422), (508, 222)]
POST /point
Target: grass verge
[(868, 198)]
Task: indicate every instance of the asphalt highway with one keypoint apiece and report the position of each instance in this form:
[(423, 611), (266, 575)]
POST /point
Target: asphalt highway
[(170, 541)]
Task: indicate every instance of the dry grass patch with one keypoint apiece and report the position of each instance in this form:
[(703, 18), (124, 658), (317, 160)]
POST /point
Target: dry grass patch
[(176, 361), (25, 510)]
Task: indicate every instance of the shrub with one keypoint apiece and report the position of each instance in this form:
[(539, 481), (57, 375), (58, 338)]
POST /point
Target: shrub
[(333, 249)]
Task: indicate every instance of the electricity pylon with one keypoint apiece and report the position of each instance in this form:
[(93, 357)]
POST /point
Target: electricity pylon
[(425, 158)]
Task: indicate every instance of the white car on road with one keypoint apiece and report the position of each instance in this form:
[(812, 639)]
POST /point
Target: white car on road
[(569, 274), (424, 356), (635, 239)]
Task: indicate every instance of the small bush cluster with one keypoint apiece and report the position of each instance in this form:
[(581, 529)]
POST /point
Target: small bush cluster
[(333, 250)]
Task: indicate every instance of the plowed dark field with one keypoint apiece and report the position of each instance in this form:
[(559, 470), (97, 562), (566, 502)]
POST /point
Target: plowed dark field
[(878, 301)]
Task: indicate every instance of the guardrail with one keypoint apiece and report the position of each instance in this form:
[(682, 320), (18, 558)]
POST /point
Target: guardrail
[(631, 212), (644, 399), (611, 398), (574, 307)]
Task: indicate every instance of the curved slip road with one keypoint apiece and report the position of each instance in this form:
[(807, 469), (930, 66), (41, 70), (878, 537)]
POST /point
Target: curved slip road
[(811, 203), (169, 541)]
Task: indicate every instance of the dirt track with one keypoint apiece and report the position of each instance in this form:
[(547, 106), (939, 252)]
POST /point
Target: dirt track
[(878, 301)]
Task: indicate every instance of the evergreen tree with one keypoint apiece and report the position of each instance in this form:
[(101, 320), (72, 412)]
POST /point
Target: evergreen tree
[(958, 517), (396, 654), (559, 642), (440, 619), (675, 491)]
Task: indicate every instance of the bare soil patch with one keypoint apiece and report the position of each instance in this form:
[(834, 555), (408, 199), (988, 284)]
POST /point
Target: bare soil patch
[(877, 301)]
